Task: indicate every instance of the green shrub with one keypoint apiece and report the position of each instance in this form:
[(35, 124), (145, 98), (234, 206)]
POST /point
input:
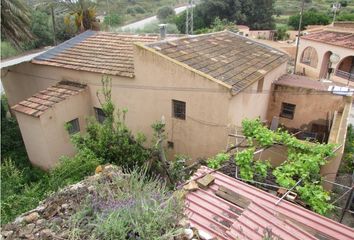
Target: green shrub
[(165, 12), (112, 141), (134, 207), (7, 50), (112, 20), (73, 169)]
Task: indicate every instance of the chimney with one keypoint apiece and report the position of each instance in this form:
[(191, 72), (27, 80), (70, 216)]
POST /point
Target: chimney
[(162, 31)]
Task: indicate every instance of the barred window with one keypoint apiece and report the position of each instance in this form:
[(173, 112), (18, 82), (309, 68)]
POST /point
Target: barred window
[(73, 126), (287, 110), (100, 116), (179, 109)]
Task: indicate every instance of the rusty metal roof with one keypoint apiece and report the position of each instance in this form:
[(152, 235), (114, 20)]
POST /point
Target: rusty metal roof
[(100, 52), (228, 57), (228, 221), (37, 104), (337, 38)]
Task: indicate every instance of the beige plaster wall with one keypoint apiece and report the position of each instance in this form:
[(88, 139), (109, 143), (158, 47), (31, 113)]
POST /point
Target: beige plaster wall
[(46, 138), (321, 49), (210, 108), (253, 104), (33, 137), (311, 106)]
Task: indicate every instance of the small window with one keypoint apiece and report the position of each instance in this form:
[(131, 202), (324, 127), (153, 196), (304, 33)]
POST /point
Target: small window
[(179, 109), (287, 110), (100, 116), (260, 85), (73, 126)]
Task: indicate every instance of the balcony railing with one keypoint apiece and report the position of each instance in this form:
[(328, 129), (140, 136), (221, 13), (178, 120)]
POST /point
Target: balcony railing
[(345, 75)]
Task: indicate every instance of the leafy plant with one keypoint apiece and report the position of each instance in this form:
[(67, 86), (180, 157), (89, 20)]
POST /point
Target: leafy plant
[(112, 141), (304, 162), (218, 160), (135, 207)]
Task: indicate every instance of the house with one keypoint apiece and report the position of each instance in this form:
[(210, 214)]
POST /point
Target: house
[(328, 53), (312, 110), (231, 209), (202, 85)]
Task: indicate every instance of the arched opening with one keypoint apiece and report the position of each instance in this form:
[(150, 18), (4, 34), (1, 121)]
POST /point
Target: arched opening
[(326, 66), (346, 68), (309, 57)]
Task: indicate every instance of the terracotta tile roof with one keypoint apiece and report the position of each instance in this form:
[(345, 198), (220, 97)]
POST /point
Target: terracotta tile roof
[(235, 60), (254, 213), (341, 39), (37, 104), (100, 52), (293, 80)]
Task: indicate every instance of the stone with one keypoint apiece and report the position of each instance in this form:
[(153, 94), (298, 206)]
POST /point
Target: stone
[(188, 233), (204, 235), (183, 223), (28, 229), (31, 217), (205, 181), (57, 220), (7, 233), (191, 186), (99, 169), (19, 220), (46, 234), (65, 206)]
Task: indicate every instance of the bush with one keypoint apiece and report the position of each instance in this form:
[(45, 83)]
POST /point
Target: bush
[(345, 17), (112, 20), (72, 170), (112, 141), (309, 18), (7, 50), (282, 33), (165, 12), (134, 207)]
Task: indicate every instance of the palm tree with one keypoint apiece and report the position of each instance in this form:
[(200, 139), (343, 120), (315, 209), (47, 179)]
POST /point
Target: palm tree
[(15, 22)]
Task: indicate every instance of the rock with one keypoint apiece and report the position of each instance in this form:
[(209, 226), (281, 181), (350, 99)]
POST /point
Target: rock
[(27, 230), (188, 233), (65, 206), (46, 234), (19, 220), (191, 186), (99, 169), (183, 223), (31, 217), (7, 233), (40, 222), (56, 220), (76, 186), (205, 181), (204, 235)]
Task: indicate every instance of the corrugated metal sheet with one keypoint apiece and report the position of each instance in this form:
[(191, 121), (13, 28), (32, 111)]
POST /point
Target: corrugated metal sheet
[(227, 221)]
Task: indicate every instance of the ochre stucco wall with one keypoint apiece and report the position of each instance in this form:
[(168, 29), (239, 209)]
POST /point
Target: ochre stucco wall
[(253, 104), (311, 106), (46, 138), (210, 108)]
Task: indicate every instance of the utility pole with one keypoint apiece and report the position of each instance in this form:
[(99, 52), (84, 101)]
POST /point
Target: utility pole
[(189, 17), (336, 6), (53, 23), (298, 33)]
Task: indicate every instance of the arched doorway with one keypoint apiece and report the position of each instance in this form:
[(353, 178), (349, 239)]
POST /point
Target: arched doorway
[(346, 68), (309, 57), (326, 65)]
